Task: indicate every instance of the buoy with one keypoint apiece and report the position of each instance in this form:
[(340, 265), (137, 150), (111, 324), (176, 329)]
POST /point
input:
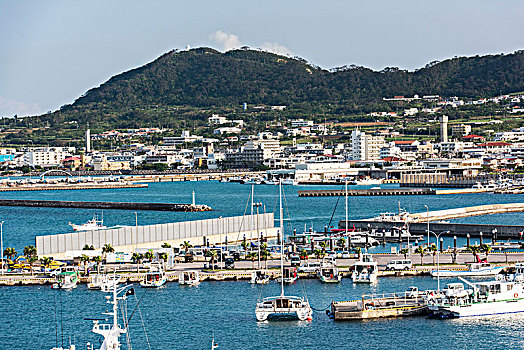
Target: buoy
[(310, 318), (516, 295)]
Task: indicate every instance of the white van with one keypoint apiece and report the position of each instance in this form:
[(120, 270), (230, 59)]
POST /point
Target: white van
[(310, 267), (397, 265)]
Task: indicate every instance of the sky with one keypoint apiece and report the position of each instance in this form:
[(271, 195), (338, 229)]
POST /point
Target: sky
[(53, 51)]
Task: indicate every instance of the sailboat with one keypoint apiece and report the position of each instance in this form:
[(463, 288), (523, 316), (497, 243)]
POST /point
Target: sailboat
[(283, 306)]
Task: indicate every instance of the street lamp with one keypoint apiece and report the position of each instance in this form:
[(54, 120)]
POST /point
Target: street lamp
[(220, 230), (258, 205), (438, 257), (427, 219), (2, 243)]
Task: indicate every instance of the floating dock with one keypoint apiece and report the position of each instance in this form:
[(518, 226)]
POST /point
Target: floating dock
[(379, 306), (368, 192), (104, 205)]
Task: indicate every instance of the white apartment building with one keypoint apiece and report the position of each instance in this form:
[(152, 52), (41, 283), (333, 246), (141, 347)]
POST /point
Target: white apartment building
[(298, 123), (47, 156), (227, 130), (509, 136), (461, 129), (216, 119), (185, 137), (365, 147)]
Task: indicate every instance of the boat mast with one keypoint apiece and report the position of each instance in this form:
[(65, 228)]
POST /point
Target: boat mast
[(346, 226), (252, 204), (281, 215)]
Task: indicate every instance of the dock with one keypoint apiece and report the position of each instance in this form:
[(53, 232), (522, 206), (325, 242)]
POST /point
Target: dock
[(70, 186), (368, 192), (104, 205)]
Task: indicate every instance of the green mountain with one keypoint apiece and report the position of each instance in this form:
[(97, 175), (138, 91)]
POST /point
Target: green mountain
[(179, 84)]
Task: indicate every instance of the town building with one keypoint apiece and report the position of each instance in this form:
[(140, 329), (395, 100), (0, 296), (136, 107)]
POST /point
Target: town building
[(364, 146)]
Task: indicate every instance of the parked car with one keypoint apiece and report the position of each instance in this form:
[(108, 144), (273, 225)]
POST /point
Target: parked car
[(397, 265), (295, 261), (229, 263), (310, 267)]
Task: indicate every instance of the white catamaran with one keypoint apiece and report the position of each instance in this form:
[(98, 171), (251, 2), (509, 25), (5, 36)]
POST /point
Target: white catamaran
[(283, 306)]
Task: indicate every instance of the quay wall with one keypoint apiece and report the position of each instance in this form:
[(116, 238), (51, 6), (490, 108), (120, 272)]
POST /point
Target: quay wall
[(151, 236), (367, 192)]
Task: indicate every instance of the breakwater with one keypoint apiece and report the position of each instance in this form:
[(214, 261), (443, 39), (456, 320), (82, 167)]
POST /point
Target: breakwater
[(104, 205), (368, 192), (70, 186)]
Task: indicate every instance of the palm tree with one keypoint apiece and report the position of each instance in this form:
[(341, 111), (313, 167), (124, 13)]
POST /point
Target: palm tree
[(29, 250), (148, 256), (433, 249), (265, 254), (107, 248), (358, 250), (212, 254), (98, 260), (404, 252), (475, 249), (46, 261), (323, 245), (420, 250), (166, 245), (10, 252), (85, 259), (163, 257), (341, 243), (252, 256), (88, 247), (186, 245), (486, 248), (317, 253), (245, 245), (137, 257), (31, 260)]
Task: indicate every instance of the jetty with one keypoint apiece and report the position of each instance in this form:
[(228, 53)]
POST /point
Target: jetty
[(71, 186), (104, 205), (368, 192)]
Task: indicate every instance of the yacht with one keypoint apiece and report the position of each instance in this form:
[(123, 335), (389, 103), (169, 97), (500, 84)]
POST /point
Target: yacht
[(154, 278), (365, 270), (66, 280), (329, 274), (473, 270), (91, 225), (189, 278), (283, 306), (259, 277), (496, 297)]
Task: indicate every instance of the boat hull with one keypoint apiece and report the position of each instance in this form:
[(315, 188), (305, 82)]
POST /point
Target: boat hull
[(479, 309), (467, 273)]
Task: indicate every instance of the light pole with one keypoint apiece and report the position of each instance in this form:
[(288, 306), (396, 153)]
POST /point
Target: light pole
[(258, 205), (438, 257), (136, 230), (427, 219), (2, 243), (220, 230)]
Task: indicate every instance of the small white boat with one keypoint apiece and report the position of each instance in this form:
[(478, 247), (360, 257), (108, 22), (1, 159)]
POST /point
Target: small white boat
[(290, 182), (365, 270), (369, 181), (189, 278), (154, 278), (91, 225), (329, 274), (483, 299), (259, 277), (290, 275), (95, 281), (66, 280), (474, 270)]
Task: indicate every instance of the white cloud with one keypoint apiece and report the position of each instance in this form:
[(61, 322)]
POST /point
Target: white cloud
[(9, 108), (225, 41), (276, 48)]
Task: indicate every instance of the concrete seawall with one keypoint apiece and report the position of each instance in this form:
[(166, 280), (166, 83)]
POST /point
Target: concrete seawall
[(367, 192)]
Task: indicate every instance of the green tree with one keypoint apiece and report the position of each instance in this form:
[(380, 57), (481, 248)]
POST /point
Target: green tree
[(341, 243), (186, 245), (85, 260), (31, 260), (97, 259), (404, 252), (358, 250), (212, 255), (46, 261), (420, 250), (107, 248), (317, 253), (265, 254), (163, 257), (303, 255), (137, 257), (166, 245), (10, 253), (433, 249), (475, 250), (485, 248), (148, 256)]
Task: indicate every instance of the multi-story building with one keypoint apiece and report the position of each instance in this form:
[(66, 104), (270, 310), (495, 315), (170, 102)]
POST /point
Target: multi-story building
[(365, 147), (298, 123), (461, 129), (47, 156), (185, 137)]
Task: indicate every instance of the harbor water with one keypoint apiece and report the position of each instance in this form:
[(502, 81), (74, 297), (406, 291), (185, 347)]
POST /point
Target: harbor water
[(178, 317)]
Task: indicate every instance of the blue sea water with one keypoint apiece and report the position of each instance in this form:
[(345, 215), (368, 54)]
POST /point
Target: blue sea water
[(186, 318)]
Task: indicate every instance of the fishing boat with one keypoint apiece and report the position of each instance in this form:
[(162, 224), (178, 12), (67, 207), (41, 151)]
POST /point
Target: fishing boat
[(365, 270), (65, 280), (259, 277), (111, 332), (328, 273), (283, 306), (189, 278), (496, 297), (473, 270), (154, 278), (91, 225), (290, 275)]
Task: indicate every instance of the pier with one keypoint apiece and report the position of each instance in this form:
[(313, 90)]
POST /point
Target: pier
[(368, 192), (104, 205), (70, 186)]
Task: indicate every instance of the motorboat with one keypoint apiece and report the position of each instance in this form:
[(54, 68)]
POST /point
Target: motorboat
[(365, 270), (474, 270), (66, 280), (289, 182), (154, 278), (329, 274), (259, 277), (496, 297), (363, 241), (369, 181), (91, 225), (283, 306), (189, 278)]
